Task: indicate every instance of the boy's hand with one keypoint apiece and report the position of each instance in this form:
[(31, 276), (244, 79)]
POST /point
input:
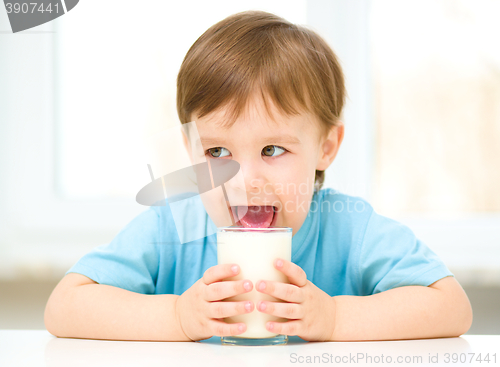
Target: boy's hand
[(311, 312), (199, 310)]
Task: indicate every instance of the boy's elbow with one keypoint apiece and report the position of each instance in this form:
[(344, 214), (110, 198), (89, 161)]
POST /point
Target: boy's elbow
[(456, 306), (55, 312), (463, 310), (50, 319), (465, 317), (58, 310)]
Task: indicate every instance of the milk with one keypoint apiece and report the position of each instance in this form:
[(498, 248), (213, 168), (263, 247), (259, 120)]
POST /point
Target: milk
[(254, 250)]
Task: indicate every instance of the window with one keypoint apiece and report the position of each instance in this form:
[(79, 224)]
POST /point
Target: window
[(117, 83), (76, 94), (425, 155), (437, 71)]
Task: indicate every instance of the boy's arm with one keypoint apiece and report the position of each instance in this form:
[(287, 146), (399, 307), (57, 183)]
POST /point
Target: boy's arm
[(80, 308), (408, 312), (412, 312)]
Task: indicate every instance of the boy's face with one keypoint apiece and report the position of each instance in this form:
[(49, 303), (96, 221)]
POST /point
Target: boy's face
[(278, 160)]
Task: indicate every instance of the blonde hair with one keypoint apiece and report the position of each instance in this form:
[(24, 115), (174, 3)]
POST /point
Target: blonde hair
[(255, 51)]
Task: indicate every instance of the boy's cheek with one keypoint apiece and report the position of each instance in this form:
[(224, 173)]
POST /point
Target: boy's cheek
[(215, 205)]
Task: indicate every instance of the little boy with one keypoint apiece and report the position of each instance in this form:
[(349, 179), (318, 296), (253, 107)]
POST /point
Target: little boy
[(269, 95)]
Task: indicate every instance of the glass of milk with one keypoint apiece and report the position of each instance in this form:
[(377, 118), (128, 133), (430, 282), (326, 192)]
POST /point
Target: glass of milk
[(254, 250)]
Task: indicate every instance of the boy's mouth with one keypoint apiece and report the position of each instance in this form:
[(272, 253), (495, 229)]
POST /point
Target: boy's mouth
[(254, 216)]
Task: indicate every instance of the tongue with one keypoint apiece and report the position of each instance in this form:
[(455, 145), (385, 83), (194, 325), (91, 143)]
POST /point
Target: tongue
[(256, 216)]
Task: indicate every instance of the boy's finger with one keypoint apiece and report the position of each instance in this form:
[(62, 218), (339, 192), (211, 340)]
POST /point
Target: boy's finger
[(221, 290), (285, 328), (292, 311), (220, 328), (218, 272), (296, 275), (283, 291), (220, 310)]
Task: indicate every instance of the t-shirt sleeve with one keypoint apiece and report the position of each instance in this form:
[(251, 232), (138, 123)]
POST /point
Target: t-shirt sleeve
[(130, 261), (391, 256)]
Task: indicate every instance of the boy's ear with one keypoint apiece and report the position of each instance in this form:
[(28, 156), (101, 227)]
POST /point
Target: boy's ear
[(185, 141), (330, 146)]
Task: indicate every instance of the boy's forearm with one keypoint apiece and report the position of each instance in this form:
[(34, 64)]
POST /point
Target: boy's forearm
[(97, 311), (412, 312)]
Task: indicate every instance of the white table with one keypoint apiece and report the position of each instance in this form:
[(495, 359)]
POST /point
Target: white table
[(40, 348)]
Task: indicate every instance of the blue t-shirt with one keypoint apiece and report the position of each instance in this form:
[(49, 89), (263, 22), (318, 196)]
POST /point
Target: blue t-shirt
[(344, 247)]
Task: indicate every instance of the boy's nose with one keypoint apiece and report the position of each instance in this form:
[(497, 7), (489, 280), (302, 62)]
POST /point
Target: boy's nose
[(253, 174), (250, 179)]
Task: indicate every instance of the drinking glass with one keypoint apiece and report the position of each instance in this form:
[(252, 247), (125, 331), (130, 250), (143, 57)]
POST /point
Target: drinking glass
[(254, 250)]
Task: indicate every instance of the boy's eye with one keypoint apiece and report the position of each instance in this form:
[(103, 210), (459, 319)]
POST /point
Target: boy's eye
[(268, 151), (217, 152), (271, 149)]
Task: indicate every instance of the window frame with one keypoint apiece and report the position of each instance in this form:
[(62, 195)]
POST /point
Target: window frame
[(42, 233)]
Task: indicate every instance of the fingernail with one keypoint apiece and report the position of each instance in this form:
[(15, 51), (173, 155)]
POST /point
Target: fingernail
[(247, 286), (234, 268), (270, 326), (279, 263), (262, 306), (248, 306), (262, 286), (241, 327)]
